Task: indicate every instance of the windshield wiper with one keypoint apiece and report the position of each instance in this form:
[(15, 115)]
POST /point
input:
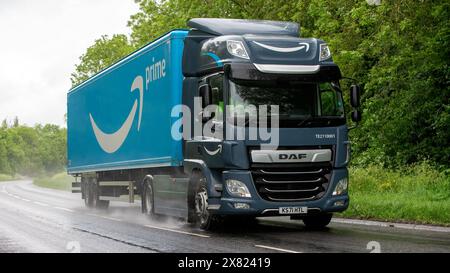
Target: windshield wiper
[(308, 118)]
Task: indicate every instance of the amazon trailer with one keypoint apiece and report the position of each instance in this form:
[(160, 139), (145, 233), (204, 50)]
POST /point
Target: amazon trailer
[(119, 122), (123, 138)]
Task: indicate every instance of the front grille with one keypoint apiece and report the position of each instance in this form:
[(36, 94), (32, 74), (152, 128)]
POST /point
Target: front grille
[(291, 182)]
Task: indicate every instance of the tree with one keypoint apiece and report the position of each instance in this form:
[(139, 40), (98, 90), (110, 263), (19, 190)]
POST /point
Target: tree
[(16, 122), (4, 124), (104, 52), (397, 50)]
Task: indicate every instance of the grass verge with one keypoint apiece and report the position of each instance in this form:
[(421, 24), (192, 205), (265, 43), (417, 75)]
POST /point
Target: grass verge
[(60, 181), (415, 194), (7, 177)]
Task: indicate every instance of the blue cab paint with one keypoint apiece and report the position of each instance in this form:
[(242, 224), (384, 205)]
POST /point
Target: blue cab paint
[(214, 57)]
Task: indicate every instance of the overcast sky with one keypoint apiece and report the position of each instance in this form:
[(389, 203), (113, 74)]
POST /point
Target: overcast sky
[(40, 42)]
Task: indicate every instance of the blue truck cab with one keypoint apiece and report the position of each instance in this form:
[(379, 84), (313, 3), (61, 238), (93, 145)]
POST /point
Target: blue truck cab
[(232, 117)]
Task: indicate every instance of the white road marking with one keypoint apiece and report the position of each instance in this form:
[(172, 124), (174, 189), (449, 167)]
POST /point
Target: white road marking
[(15, 196), (105, 217), (40, 204), (277, 249), (65, 209), (178, 231), (390, 224), (111, 218)]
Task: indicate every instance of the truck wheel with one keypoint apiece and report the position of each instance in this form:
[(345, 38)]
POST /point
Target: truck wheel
[(317, 221), (96, 202), (205, 219), (147, 200), (88, 200)]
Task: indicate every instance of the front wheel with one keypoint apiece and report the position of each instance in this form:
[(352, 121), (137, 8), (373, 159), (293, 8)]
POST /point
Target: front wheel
[(317, 221), (203, 217)]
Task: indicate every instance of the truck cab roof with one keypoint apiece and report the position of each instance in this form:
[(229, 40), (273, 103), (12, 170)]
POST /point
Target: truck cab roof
[(219, 27), (268, 47)]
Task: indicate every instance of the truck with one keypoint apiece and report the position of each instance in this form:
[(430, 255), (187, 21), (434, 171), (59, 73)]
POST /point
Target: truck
[(174, 122)]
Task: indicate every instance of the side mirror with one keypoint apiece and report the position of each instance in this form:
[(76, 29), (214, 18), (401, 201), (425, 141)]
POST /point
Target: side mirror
[(201, 116), (206, 93), (356, 116), (355, 94)]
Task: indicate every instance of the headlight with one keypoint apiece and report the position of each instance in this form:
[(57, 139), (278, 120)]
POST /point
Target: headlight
[(237, 188), (325, 52), (237, 49), (341, 187)]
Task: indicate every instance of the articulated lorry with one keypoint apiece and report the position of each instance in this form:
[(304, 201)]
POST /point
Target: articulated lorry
[(175, 124)]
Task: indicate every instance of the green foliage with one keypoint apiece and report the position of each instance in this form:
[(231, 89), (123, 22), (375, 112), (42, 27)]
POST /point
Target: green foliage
[(103, 53), (417, 193), (6, 177), (59, 181), (32, 150), (406, 85), (398, 51)]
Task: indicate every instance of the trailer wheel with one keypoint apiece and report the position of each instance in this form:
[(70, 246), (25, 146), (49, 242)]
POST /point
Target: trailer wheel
[(96, 202), (88, 198), (204, 218), (317, 221), (91, 196), (147, 200)]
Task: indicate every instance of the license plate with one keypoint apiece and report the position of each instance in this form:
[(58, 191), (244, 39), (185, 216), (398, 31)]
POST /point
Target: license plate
[(293, 210)]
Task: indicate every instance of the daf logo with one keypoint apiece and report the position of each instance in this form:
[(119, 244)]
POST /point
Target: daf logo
[(291, 156)]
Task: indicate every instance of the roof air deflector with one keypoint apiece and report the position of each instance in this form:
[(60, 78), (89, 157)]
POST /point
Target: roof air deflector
[(217, 26)]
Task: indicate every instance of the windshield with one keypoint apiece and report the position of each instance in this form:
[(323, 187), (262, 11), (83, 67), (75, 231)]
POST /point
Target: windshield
[(300, 104)]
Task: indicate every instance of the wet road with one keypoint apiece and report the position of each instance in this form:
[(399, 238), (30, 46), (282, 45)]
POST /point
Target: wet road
[(34, 219)]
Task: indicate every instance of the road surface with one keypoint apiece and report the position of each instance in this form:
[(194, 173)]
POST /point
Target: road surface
[(34, 219)]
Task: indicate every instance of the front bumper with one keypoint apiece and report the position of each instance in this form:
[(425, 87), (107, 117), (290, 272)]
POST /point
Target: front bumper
[(257, 206)]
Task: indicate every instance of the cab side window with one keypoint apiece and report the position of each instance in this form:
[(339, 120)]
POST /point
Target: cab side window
[(331, 102), (216, 83)]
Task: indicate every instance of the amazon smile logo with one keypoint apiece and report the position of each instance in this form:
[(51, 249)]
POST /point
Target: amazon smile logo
[(111, 142), (285, 49), (218, 150)]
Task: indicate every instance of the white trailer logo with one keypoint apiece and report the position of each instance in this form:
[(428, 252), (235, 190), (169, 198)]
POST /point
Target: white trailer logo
[(112, 142)]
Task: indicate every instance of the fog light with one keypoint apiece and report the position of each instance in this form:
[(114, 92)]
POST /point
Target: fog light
[(241, 206), (237, 188), (341, 187), (339, 203)]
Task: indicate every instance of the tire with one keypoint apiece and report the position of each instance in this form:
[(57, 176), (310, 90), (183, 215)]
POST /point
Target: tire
[(88, 198), (147, 200), (97, 203), (91, 196), (198, 206), (317, 221)]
